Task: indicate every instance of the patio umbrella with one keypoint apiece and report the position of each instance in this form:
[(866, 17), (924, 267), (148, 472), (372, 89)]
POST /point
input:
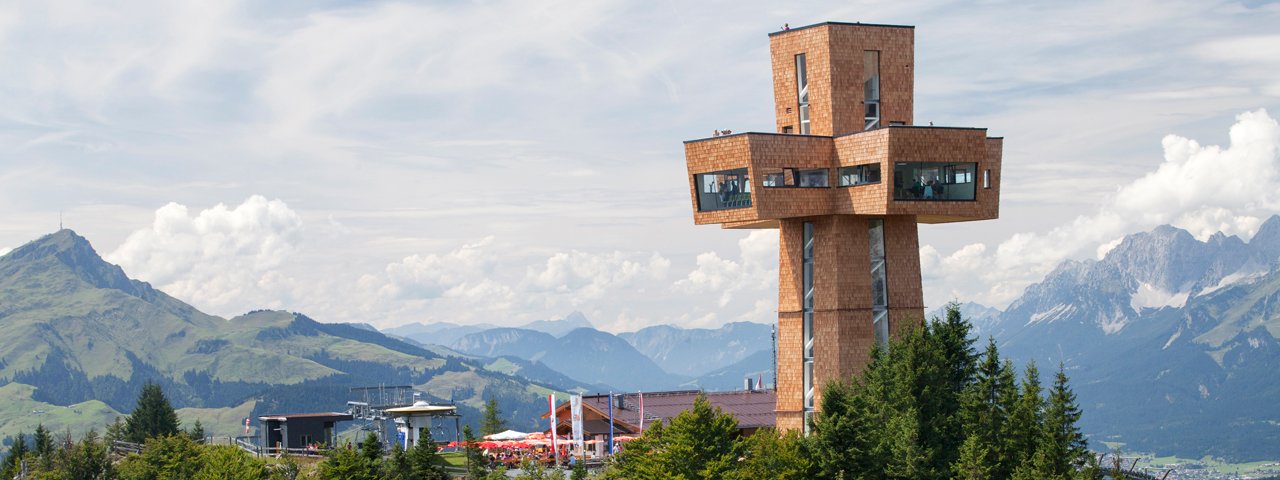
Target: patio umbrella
[(507, 435)]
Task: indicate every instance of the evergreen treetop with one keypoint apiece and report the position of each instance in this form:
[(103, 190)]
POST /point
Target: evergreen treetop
[(152, 417)]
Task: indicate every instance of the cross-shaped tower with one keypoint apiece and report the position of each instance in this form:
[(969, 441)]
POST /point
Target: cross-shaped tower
[(845, 180)]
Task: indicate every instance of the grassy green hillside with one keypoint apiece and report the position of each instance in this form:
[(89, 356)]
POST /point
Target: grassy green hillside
[(83, 333), (20, 413)]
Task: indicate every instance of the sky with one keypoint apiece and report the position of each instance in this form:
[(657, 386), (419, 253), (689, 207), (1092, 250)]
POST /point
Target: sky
[(511, 160)]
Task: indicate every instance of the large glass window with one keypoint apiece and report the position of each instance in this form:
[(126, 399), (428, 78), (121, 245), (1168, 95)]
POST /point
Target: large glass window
[(860, 174), (871, 88), (807, 309), (795, 177), (723, 190), (934, 181), (802, 93), (879, 282)]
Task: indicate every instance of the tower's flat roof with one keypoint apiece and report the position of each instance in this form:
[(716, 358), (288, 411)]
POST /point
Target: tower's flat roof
[(779, 32)]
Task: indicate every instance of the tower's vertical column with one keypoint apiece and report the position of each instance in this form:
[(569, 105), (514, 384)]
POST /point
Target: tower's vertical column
[(790, 392)]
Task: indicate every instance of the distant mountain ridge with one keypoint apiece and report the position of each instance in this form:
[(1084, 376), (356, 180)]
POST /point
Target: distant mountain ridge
[(76, 328), (586, 354), (1170, 341), (667, 357)]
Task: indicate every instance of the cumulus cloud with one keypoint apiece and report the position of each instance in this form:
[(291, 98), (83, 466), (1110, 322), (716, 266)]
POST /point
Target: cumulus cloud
[(432, 276), (221, 259), (1199, 188), (753, 273), (590, 276)]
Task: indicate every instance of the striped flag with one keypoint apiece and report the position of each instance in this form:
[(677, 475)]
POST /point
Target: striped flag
[(555, 454), (246, 425), (641, 400)]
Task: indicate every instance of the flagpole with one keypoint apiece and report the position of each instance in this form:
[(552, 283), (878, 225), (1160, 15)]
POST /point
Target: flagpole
[(610, 452)]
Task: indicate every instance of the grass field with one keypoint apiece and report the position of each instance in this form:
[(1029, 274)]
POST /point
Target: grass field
[(19, 413)]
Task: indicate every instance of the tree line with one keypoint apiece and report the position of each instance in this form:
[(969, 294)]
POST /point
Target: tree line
[(927, 407)]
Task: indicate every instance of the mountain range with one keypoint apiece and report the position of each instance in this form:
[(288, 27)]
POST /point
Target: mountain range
[(76, 329), (1171, 342)]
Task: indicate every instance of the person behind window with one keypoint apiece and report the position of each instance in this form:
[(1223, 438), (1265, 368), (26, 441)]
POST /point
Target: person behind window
[(928, 191)]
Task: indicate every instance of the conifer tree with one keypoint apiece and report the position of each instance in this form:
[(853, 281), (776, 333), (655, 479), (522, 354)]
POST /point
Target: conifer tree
[(1027, 419), (423, 460), (13, 461), (197, 432), (226, 462), (987, 407), (491, 422), (87, 459), (371, 450), (1065, 449), (42, 442), (697, 443), (345, 463), (396, 466), (974, 462), (946, 434), (152, 417)]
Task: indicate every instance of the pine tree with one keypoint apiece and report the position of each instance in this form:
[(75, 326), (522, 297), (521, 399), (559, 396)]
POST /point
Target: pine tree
[(491, 422), (371, 450), (423, 460), (1026, 420), (773, 455), (697, 443), (345, 463), (974, 461), (945, 434), (396, 466), (13, 460), (1065, 449), (43, 442), (152, 417), (87, 459), (197, 432), (226, 462), (988, 403)]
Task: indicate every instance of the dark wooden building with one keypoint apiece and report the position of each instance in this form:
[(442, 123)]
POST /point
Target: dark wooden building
[(299, 430)]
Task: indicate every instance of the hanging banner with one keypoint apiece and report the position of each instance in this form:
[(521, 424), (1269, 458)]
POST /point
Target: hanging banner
[(575, 413), (555, 452)]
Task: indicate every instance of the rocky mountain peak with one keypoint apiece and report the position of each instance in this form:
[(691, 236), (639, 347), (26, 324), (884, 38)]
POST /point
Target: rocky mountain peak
[(69, 250)]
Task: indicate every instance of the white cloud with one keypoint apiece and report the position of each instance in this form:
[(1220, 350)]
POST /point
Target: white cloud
[(432, 276), (590, 276), (753, 273), (1203, 189), (219, 259)]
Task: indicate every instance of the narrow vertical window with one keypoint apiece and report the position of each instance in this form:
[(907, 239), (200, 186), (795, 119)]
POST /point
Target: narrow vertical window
[(871, 88), (986, 179), (879, 282), (802, 93), (807, 289)]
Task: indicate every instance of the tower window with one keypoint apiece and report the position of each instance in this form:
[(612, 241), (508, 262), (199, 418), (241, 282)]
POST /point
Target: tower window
[(723, 190), (879, 282), (986, 178), (802, 93), (860, 174), (807, 308), (871, 88), (934, 181)]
